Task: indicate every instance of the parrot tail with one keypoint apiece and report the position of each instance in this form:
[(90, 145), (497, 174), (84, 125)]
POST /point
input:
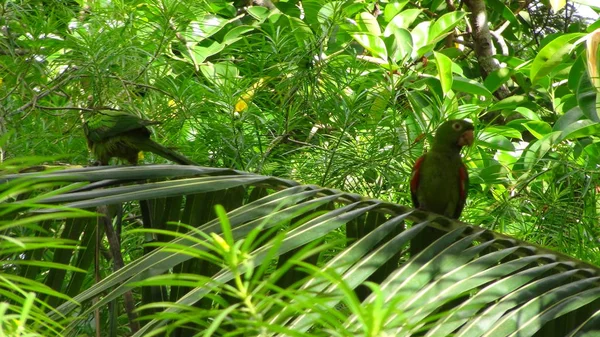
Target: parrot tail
[(154, 147)]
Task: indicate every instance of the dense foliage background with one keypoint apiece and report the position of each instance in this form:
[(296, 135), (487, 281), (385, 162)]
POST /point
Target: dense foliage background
[(342, 94)]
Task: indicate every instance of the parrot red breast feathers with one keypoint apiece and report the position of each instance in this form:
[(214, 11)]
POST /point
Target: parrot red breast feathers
[(439, 181)]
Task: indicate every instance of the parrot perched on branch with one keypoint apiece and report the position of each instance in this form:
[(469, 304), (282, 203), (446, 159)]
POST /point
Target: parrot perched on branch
[(111, 133), (439, 182)]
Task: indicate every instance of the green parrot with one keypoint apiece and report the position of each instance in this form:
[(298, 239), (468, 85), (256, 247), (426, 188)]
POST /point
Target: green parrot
[(111, 133), (439, 181)]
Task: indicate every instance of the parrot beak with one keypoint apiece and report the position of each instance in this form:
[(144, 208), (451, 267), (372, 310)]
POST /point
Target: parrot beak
[(466, 139)]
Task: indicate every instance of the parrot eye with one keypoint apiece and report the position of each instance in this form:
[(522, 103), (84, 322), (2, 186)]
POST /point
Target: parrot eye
[(457, 126)]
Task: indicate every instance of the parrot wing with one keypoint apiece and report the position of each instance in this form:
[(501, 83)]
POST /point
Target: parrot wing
[(104, 125), (414, 180), (463, 186)]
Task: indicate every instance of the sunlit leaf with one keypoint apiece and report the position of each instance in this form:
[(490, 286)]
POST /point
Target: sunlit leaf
[(393, 8), (552, 55), (538, 128), (444, 65), (372, 43), (367, 23), (444, 25), (470, 86)]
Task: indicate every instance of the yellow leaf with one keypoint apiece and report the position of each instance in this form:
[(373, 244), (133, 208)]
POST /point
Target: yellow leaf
[(219, 241), (557, 4), (593, 40)]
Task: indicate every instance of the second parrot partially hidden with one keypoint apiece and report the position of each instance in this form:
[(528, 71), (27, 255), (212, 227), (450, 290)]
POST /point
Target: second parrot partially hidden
[(111, 133), (439, 181)]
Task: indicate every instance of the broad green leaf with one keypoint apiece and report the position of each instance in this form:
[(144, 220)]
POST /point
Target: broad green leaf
[(497, 78), (220, 72), (312, 12), (538, 128), (587, 98), (494, 141), (206, 49), (505, 131), (511, 102), (393, 8), (493, 173), (200, 30), (537, 151), (399, 44), (579, 129), (367, 23), (301, 30), (568, 118), (420, 36), (444, 65), (552, 55), (444, 25), (577, 70), (372, 43), (405, 18), (506, 13), (470, 86), (258, 12), (528, 113)]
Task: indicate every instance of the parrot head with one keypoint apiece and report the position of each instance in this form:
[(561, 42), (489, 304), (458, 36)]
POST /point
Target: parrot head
[(455, 134)]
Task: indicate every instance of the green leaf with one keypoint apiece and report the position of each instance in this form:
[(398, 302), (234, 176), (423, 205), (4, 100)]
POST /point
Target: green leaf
[(393, 8), (579, 129), (567, 119), (470, 86), (493, 173), (528, 113), (220, 72), (511, 102), (420, 35), (444, 25), (405, 18), (494, 141), (372, 43), (301, 30), (538, 128), (235, 34), (497, 78), (587, 98), (258, 12), (200, 30), (552, 55), (399, 44), (538, 150), (506, 13), (367, 23), (206, 49), (505, 131), (577, 70), (444, 65)]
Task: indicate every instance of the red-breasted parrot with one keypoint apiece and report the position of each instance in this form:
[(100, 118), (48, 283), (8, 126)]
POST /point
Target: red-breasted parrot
[(111, 133), (439, 181)]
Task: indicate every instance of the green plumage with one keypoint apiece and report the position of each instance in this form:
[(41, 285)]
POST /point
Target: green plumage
[(439, 181), (122, 135)]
